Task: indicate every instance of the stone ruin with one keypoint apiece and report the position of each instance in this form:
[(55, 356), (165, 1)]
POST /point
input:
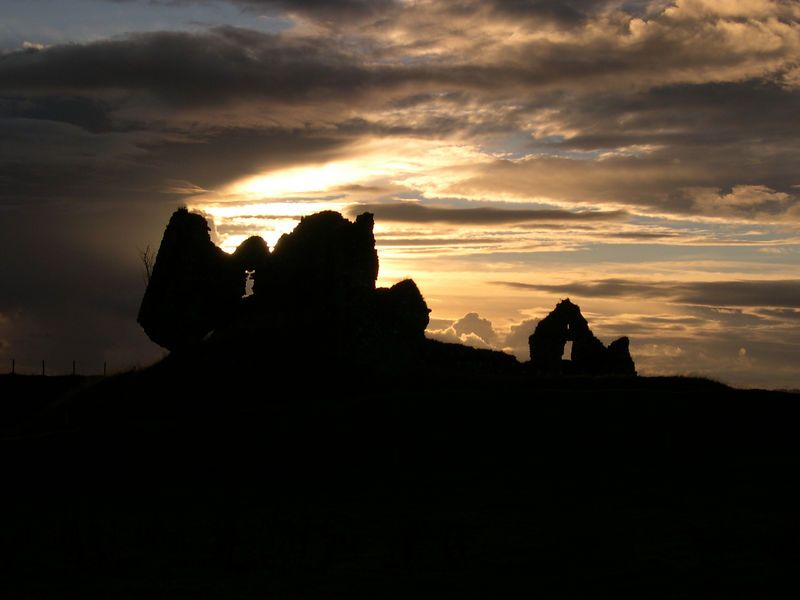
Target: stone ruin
[(588, 357), (315, 288), (314, 296)]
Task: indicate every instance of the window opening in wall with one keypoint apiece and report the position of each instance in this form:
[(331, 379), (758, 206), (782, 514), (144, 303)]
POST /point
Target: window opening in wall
[(248, 283)]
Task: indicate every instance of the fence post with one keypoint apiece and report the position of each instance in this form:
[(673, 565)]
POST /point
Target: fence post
[(104, 368), (13, 366), (73, 368), (42, 368)]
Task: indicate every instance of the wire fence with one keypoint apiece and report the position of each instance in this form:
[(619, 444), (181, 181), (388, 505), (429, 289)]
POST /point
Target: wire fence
[(44, 371)]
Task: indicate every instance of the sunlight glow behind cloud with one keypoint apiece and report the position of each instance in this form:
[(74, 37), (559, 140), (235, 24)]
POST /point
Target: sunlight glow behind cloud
[(389, 161), (271, 203)]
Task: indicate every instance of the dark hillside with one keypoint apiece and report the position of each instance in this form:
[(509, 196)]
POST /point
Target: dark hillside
[(332, 485)]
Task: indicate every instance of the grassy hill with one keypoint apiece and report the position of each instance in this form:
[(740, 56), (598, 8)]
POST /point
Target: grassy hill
[(182, 482)]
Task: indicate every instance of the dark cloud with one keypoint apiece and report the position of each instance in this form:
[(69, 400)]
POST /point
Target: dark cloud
[(217, 156), (325, 9), (187, 69), (228, 64), (415, 100), (673, 147), (321, 11), (743, 293), (416, 213), (760, 293), (427, 126), (661, 182), (717, 135), (707, 114), (120, 166), (86, 113), (562, 12), (48, 160), (662, 137)]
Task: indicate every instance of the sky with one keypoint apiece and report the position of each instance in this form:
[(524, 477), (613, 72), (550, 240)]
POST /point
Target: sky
[(639, 157)]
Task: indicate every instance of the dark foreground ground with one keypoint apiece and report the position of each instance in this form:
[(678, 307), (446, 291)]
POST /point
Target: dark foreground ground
[(300, 485)]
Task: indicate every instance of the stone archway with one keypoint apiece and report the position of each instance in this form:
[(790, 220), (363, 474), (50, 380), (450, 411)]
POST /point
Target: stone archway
[(587, 354)]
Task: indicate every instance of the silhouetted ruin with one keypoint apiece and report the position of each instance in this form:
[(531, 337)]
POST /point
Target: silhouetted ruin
[(252, 259), (316, 289), (313, 298), (326, 260), (193, 284), (588, 357)]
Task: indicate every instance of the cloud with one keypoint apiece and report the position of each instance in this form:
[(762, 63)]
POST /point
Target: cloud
[(478, 332), (757, 293), (26, 45), (416, 213), (659, 108), (565, 13), (654, 184), (473, 323), (190, 69), (324, 9), (86, 113), (119, 165), (643, 235), (516, 340), (781, 314), (743, 199), (470, 330), (428, 241), (407, 52)]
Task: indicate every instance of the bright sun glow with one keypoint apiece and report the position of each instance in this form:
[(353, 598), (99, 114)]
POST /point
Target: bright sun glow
[(270, 220), (388, 162), (319, 179), (271, 204)]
